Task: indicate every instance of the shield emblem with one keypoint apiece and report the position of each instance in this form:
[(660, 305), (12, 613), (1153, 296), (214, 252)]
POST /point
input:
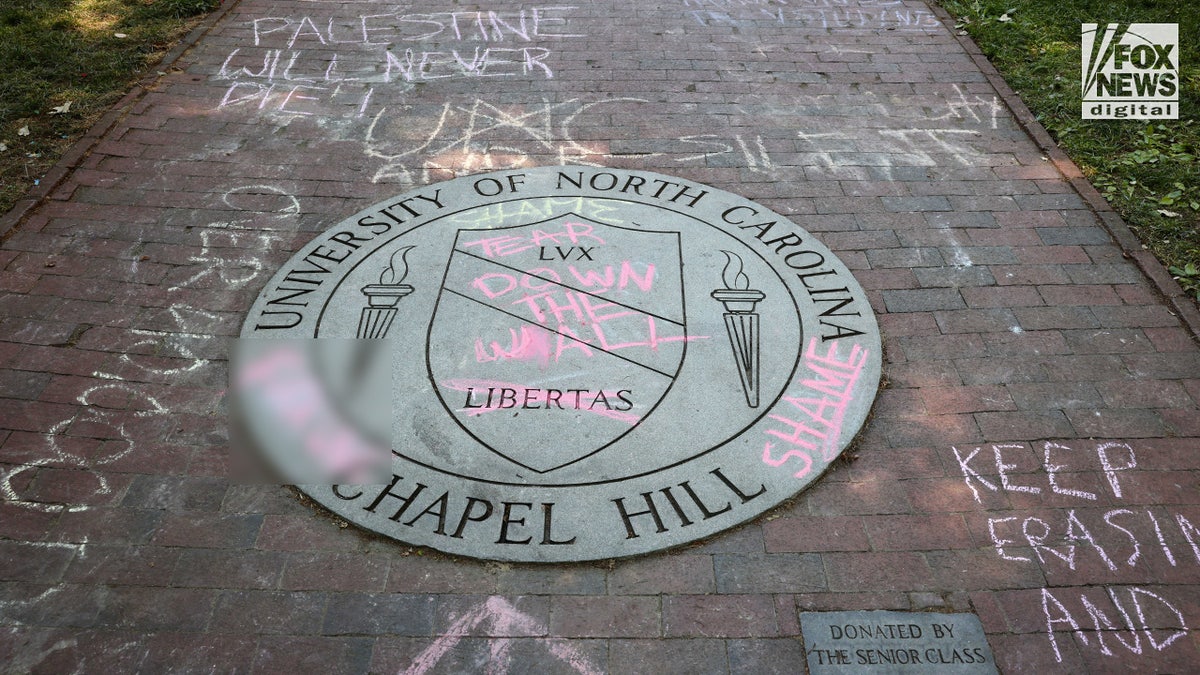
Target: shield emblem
[(552, 340)]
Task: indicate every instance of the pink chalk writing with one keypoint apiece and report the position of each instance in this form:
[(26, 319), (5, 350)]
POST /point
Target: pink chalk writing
[(582, 321), (496, 284), (826, 387), (281, 380), (530, 343), (498, 246), (599, 282), (497, 618), (602, 325)]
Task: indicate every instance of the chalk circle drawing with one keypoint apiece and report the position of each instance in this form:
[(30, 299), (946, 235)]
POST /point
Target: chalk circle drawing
[(97, 422), (577, 363), (230, 255)]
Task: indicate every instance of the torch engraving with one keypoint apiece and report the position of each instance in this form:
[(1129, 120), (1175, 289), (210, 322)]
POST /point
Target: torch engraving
[(741, 322), (382, 297)]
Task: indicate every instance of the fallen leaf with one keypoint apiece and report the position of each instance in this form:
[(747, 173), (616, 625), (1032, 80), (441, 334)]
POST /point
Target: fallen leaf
[(62, 109), (23, 131), (1168, 213), (120, 35)]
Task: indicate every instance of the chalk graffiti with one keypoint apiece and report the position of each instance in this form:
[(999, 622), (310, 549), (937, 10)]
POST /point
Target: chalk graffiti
[(115, 410), (307, 65), (30, 653), (479, 136), (1069, 539), (491, 215), (497, 284), (229, 271), (278, 67), (462, 139), (823, 393), (890, 150), (501, 622), (288, 100), (583, 307), (725, 4), (756, 158), (569, 232), (530, 343), (388, 28), (231, 256), (1056, 613), (1113, 458), (581, 320), (95, 421), (1114, 540), (976, 108), (280, 381), (231, 250), (961, 120), (921, 142), (889, 15), (260, 199)]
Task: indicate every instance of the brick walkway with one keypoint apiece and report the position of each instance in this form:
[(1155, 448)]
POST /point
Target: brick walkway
[(1032, 460)]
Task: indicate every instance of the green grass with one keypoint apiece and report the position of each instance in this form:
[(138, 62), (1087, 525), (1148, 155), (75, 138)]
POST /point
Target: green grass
[(54, 52), (1148, 170)]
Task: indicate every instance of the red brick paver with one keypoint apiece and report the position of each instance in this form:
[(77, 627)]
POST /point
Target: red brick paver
[(1033, 459)]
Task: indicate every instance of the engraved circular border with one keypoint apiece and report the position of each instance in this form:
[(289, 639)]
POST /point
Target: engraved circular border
[(789, 443)]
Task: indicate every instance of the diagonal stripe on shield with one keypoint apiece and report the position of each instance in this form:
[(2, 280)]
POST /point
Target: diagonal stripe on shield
[(551, 341)]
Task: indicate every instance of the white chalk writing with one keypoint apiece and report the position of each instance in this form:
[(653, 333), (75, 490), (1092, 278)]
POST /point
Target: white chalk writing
[(309, 65), (1093, 535)]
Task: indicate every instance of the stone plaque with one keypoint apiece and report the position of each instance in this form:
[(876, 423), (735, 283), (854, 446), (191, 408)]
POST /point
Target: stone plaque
[(895, 642), (585, 363)]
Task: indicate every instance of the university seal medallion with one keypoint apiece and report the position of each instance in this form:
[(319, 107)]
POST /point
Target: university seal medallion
[(557, 364)]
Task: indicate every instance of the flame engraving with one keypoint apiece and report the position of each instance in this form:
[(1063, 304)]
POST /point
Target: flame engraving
[(395, 273), (733, 276)]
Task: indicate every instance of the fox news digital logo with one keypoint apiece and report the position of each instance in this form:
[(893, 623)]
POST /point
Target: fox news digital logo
[(1130, 72)]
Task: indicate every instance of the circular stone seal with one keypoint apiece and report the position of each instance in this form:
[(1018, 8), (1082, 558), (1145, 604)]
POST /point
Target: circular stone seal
[(557, 364)]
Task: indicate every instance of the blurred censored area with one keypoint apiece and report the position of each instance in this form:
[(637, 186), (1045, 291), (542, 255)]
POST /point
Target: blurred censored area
[(310, 411)]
